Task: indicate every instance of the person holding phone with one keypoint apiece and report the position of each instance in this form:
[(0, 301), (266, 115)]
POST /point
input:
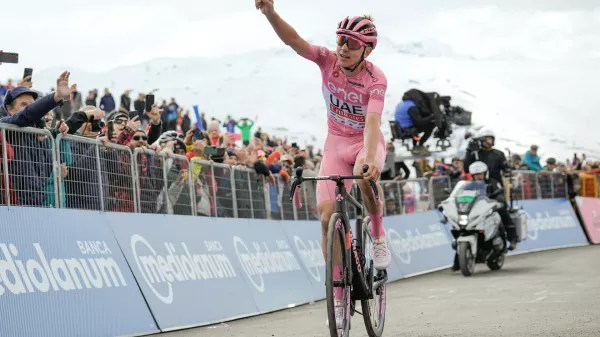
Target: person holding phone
[(24, 109)]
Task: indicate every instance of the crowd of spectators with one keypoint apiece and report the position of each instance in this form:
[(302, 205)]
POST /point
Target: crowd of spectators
[(169, 130), (166, 129)]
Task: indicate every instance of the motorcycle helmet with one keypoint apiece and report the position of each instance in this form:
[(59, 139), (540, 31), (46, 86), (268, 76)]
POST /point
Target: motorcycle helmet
[(484, 133), (477, 168)]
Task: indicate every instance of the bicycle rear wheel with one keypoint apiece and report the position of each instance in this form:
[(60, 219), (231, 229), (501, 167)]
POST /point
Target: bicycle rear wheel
[(336, 249), (373, 309)]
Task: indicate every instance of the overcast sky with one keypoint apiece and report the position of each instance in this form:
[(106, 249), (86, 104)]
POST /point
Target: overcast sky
[(97, 36)]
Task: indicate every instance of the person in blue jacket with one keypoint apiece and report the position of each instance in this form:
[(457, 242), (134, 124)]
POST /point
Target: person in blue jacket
[(413, 111), (532, 160), (107, 102), (32, 163)]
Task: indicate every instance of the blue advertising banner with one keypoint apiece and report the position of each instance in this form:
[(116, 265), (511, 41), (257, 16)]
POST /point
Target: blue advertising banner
[(551, 223), (305, 239), (272, 270), (419, 243), (185, 266), (62, 273)]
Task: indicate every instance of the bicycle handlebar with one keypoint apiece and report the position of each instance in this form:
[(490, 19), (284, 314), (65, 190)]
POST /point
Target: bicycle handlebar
[(298, 179)]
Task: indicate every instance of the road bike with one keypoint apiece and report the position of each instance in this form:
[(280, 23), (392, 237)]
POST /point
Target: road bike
[(360, 281)]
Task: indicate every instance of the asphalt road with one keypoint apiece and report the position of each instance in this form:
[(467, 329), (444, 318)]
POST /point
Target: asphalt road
[(552, 293)]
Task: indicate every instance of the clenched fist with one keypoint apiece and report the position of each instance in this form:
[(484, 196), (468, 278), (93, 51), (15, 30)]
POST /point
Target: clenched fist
[(265, 6)]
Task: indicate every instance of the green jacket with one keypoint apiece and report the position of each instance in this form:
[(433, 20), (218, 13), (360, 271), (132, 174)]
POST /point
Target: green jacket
[(245, 128)]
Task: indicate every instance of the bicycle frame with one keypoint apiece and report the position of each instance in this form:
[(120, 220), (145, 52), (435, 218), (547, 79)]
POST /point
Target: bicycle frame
[(360, 289), (364, 283)]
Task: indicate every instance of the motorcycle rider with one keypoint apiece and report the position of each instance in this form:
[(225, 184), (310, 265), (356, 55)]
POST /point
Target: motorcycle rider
[(485, 152), (497, 164), (495, 190)]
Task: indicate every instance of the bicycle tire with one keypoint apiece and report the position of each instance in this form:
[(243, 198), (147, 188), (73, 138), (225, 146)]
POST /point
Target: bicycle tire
[(374, 327), (336, 225)]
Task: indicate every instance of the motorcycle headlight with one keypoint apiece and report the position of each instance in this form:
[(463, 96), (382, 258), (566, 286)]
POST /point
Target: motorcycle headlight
[(463, 220)]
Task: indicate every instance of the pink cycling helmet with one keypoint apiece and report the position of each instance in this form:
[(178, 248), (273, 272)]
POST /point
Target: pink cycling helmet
[(360, 28)]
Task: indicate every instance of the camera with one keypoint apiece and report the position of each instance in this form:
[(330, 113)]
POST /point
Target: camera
[(97, 125), (475, 143), (445, 100)]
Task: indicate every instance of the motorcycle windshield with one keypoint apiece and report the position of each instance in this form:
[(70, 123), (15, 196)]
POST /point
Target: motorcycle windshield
[(466, 193)]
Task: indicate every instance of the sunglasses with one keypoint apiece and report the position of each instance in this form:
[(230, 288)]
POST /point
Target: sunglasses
[(140, 137), (120, 121), (353, 44)]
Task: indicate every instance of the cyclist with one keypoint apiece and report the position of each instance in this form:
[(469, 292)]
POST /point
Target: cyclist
[(354, 92)]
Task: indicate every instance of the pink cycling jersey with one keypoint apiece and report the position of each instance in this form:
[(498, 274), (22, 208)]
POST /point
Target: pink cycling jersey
[(348, 100)]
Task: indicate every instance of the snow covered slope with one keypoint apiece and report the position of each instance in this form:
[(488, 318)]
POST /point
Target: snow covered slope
[(524, 102)]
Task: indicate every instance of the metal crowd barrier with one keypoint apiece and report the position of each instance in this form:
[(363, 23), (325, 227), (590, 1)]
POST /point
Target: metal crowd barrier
[(83, 173), (588, 185), (527, 185)]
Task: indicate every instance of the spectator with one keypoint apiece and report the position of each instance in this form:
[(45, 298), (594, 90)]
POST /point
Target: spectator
[(229, 124), (532, 160), (202, 124), (172, 110), (32, 159), (126, 101), (457, 171), (408, 199), (3, 91), (389, 167), (550, 164), (515, 162), (310, 152), (92, 98), (115, 124), (76, 101), (391, 207), (178, 197), (577, 164), (258, 133), (140, 105), (81, 185), (66, 159), (107, 103), (214, 134), (186, 122), (130, 130), (245, 125)]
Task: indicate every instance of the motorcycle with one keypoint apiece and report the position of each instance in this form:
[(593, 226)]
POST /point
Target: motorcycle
[(475, 225)]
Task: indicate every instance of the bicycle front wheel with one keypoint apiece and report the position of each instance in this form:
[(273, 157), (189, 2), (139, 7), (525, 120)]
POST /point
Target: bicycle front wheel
[(338, 309), (373, 309)]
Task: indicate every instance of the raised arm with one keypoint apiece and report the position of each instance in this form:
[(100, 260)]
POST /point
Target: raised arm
[(286, 33)]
